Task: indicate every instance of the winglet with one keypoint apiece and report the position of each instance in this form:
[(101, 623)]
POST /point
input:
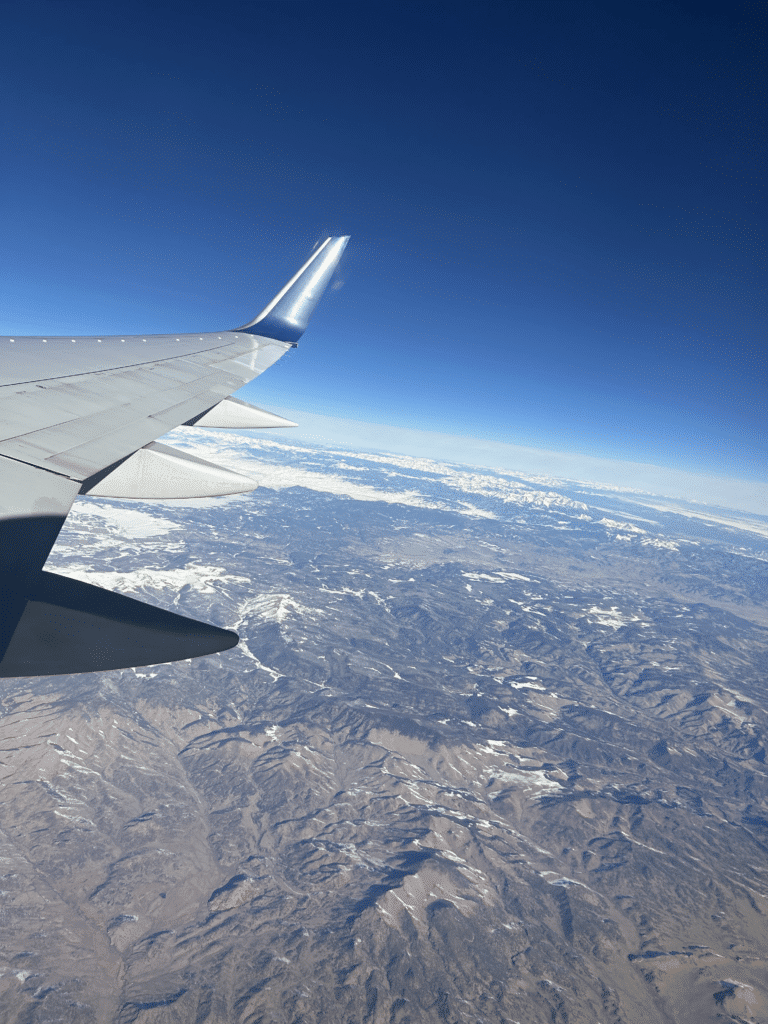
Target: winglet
[(285, 318)]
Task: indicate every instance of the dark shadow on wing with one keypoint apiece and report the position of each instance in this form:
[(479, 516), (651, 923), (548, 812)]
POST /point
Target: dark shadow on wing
[(70, 626)]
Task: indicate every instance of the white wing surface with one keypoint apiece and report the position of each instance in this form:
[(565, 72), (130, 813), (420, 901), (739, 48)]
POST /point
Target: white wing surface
[(81, 415)]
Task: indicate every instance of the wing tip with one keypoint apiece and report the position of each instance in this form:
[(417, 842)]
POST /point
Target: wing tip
[(69, 626), (285, 318)]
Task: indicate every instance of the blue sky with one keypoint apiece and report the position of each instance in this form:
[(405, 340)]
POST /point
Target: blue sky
[(556, 209)]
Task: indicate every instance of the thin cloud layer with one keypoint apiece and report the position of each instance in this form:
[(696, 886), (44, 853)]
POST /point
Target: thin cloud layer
[(534, 464)]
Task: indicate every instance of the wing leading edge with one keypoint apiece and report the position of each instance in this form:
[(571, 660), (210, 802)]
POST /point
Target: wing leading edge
[(81, 415)]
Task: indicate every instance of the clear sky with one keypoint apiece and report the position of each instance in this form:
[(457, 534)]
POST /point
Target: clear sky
[(556, 209)]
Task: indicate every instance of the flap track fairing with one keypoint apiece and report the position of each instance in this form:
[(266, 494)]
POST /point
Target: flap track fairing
[(234, 413), (159, 471)]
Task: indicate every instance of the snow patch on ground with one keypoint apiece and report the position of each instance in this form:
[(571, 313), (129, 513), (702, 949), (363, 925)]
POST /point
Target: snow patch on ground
[(203, 579), (274, 607), (659, 542), (614, 524), (611, 617), (121, 520), (498, 577)]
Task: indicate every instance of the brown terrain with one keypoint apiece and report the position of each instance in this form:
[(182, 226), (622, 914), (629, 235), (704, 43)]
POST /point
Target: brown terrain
[(489, 751)]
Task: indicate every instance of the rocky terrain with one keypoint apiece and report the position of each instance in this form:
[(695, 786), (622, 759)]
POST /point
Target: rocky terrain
[(491, 749)]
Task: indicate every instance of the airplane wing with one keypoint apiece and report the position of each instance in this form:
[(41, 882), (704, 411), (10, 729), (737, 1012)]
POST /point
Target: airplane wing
[(81, 415)]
